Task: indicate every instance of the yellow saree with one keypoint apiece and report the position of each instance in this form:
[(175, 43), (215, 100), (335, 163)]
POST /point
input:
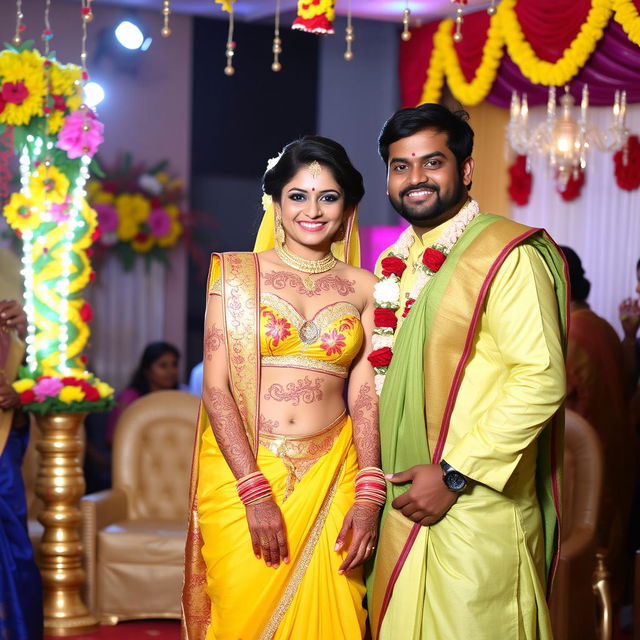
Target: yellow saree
[(228, 593)]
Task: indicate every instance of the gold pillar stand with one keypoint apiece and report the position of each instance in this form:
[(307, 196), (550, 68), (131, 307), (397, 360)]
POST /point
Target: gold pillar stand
[(60, 485), (602, 591)]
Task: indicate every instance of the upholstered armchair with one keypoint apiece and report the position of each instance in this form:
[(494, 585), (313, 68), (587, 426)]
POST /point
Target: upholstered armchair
[(577, 611), (134, 533)]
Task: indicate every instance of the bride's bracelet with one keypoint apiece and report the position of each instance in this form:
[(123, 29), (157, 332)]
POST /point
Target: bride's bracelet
[(371, 486), (253, 488)]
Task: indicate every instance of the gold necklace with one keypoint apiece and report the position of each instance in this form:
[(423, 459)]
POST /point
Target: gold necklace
[(302, 264)]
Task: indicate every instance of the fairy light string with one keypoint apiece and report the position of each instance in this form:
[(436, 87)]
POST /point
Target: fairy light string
[(349, 37), (276, 65), (229, 70), (166, 12), (17, 38)]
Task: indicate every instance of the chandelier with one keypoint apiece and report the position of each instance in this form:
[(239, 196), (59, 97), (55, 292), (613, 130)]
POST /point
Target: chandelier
[(563, 139)]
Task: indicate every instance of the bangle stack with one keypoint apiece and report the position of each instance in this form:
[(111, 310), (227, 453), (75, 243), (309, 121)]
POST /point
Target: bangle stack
[(253, 488), (371, 486)]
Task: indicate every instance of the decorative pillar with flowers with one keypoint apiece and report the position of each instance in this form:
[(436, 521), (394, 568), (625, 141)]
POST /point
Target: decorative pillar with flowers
[(55, 136)]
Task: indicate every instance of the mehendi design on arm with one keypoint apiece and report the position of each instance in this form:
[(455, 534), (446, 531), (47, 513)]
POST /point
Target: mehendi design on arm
[(294, 392), (283, 279), (364, 414), (213, 341), (229, 431)]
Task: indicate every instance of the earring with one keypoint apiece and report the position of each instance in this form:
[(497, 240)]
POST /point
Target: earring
[(279, 230), (340, 233)]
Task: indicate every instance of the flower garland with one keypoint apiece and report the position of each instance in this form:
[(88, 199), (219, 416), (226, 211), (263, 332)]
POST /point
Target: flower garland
[(627, 16), (573, 188), (520, 181), (504, 30), (387, 291), (474, 92), (139, 212)]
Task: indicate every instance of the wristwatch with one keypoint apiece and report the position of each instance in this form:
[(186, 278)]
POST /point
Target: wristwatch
[(453, 480)]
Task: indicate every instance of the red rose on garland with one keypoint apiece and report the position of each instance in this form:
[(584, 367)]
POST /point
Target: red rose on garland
[(574, 186), (433, 259), (385, 318), (86, 312), (381, 357), (407, 307), (393, 265), (628, 174), (91, 393), (520, 181)]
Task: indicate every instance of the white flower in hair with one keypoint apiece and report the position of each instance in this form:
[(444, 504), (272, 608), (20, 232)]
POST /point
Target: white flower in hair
[(272, 162)]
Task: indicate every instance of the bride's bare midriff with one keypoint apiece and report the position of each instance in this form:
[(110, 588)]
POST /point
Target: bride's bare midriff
[(299, 402)]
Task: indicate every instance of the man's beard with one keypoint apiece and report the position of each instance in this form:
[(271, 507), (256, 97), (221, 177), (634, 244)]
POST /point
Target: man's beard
[(433, 211)]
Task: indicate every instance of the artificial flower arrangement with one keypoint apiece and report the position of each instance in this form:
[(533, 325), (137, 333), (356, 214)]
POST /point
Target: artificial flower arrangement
[(139, 212), (42, 116), (51, 394)]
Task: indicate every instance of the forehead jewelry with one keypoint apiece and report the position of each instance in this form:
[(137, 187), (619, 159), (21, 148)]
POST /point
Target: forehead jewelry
[(315, 169)]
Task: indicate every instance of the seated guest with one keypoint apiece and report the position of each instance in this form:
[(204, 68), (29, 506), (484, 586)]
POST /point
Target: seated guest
[(157, 371), (20, 584), (597, 389)]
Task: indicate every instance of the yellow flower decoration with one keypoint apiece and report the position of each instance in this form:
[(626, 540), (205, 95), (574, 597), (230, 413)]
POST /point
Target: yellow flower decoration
[(50, 184), (69, 394), (127, 229), (627, 16), (574, 56), (21, 214), (134, 206), (24, 71), (172, 210), (23, 385), (172, 237), (105, 390), (103, 197), (226, 4), (93, 188), (143, 242)]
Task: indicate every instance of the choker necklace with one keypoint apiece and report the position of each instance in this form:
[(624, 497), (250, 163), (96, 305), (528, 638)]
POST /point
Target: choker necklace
[(301, 264)]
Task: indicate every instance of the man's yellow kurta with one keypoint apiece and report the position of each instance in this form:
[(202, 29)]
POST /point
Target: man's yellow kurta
[(479, 573)]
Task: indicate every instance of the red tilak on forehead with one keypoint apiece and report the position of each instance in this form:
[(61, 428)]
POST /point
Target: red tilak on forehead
[(313, 188), (413, 154)]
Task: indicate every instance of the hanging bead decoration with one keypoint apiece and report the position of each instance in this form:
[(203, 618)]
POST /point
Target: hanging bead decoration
[(17, 38), (457, 36), (166, 12), (349, 37), (276, 65), (87, 13), (491, 10), (406, 19), (229, 70)]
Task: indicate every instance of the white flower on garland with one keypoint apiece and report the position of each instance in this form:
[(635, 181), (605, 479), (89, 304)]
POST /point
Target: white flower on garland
[(387, 293)]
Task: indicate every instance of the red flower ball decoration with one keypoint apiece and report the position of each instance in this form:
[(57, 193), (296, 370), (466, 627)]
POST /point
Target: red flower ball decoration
[(381, 357), (385, 318), (393, 265), (520, 181), (628, 173), (574, 186), (86, 312), (433, 259)]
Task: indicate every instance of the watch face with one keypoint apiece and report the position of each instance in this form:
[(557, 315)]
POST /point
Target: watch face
[(455, 481)]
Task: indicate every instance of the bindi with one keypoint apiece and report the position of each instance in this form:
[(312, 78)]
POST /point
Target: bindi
[(413, 155)]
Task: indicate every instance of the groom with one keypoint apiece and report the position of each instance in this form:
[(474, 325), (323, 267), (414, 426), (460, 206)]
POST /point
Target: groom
[(472, 377)]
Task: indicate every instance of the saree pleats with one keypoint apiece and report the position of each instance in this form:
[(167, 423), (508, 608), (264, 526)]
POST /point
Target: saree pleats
[(305, 598)]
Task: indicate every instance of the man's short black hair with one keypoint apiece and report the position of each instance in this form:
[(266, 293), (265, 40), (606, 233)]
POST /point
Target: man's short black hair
[(408, 121)]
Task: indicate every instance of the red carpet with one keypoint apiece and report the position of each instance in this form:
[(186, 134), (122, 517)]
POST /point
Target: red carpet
[(145, 630)]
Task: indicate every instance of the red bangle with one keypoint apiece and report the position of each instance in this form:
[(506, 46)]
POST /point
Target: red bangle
[(371, 486), (253, 488)]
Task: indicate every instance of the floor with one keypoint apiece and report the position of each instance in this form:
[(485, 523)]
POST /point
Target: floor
[(145, 630)]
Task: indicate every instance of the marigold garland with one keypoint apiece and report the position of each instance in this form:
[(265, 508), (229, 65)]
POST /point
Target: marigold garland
[(505, 30), (628, 17)]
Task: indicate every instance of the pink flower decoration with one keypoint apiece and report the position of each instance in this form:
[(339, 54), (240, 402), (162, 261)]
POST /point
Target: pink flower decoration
[(81, 134), (107, 218), (60, 211), (159, 223), (276, 328), (47, 388)]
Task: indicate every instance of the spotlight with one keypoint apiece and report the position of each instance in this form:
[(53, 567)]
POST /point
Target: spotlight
[(93, 94), (130, 36)]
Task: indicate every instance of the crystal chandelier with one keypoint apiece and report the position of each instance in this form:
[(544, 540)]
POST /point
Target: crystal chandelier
[(561, 138)]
